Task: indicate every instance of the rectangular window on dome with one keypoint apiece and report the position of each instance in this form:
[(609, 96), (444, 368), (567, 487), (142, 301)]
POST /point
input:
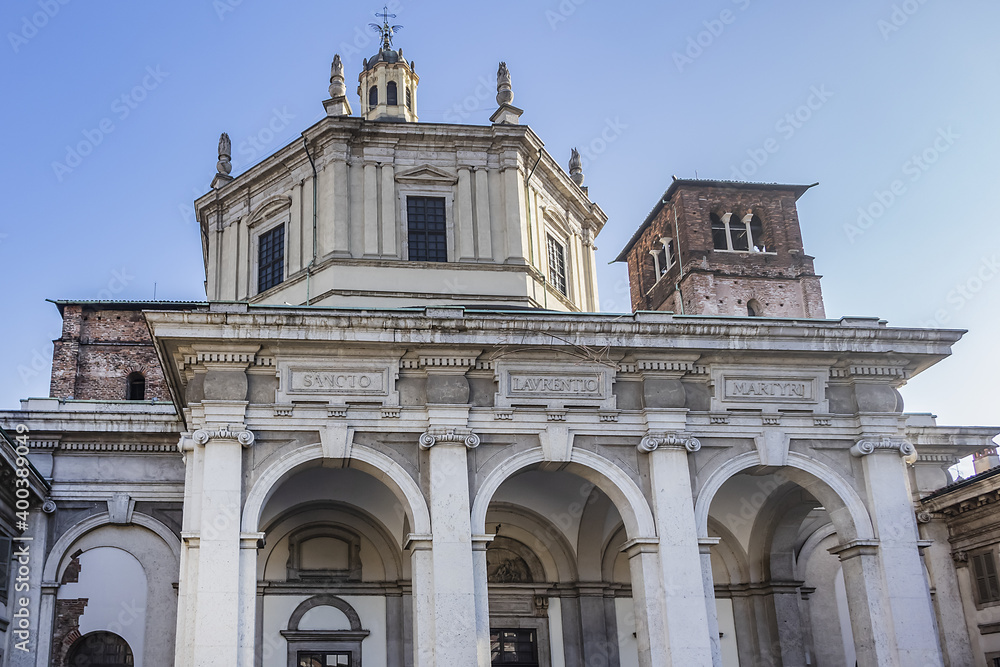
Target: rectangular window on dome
[(271, 258), (427, 233), (557, 264), (514, 647)]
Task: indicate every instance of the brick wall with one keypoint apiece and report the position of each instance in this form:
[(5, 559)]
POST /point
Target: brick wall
[(782, 281), (98, 350)]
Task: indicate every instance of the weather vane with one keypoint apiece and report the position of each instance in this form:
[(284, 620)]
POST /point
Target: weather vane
[(386, 30)]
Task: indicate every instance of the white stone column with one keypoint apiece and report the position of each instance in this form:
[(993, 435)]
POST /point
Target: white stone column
[(455, 638), (248, 597), (479, 545), (422, 597), (891, 510), (705, 545), (647, 598), (217, 621), (874, 634), (681, 573)]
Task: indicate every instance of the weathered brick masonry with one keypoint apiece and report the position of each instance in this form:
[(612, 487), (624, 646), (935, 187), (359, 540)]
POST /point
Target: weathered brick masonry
[(721, 282), (99, 347)]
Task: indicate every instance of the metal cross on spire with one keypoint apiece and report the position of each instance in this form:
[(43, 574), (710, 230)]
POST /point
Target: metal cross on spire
[(386, 30)]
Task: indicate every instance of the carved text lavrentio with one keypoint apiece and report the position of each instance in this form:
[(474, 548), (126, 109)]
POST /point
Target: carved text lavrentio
[(554, 384)]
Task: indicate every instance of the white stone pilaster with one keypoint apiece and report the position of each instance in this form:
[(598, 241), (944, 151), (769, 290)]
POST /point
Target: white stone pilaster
[(218, 625), (464, 223), (705, 545), (484, 241), (370, 210)]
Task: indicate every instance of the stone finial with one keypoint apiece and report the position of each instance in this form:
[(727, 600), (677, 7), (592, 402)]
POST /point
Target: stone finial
[(337, 86), (225, 155), (505, 94), (337, 105), (224, 165), (576, 167)]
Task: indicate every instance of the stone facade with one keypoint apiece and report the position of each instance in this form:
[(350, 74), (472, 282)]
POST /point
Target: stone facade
[(468, 470)]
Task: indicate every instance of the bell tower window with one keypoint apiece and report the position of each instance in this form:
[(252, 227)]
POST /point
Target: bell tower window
[(557, 264), (754, 309), (373, 96), (731, 232), (390, 94)]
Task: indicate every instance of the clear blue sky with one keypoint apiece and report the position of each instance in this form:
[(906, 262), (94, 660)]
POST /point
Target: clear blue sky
[(904, 96)]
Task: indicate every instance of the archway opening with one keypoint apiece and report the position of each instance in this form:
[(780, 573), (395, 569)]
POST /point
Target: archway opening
[(775, 579), (559, 586)]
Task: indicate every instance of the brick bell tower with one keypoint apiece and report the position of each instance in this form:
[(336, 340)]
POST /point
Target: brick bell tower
[(724, 248)]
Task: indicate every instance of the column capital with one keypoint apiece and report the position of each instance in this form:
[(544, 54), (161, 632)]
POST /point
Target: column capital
[(705, 544), (238, 432), (252, 540), (445, 434), (867, 446), (482, 542), (655, 440)]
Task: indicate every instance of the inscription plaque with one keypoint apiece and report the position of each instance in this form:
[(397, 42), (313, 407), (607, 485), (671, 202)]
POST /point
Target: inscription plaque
[(769, 389), (337, 381), (561, 385)]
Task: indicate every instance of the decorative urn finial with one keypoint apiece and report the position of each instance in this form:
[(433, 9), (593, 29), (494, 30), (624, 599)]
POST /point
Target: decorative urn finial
[(505, 95), (224, 166), (576, 167), (337, 86)]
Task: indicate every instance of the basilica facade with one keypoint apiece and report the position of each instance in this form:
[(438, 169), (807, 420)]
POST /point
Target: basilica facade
[(397, 432)]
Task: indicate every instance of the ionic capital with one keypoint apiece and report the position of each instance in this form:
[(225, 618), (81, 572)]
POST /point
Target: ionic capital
[(654, 441), (436, 435), (241, 434), (866, 447)]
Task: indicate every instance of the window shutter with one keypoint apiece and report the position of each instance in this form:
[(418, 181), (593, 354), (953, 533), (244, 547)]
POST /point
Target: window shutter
[(990, 568), (4, 566)]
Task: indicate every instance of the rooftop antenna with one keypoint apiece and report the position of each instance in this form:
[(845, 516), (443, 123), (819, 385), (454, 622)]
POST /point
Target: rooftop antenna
[(154, 291), (386, 30)]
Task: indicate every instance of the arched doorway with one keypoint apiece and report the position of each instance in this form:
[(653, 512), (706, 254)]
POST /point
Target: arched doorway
[(100, 649)]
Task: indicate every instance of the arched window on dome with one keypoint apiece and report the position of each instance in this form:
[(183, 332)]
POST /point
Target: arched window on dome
[(390, 94), (135, 387), (373, 96)]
